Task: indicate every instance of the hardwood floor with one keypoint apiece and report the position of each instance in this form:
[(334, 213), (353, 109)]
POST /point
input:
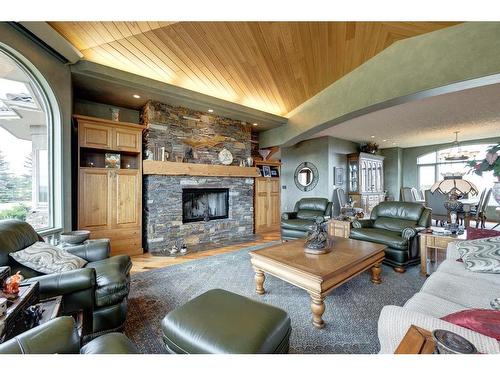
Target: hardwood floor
[(146, 262)]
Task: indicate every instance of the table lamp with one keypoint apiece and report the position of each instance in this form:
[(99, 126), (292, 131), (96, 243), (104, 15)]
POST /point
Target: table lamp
[(455, 187)]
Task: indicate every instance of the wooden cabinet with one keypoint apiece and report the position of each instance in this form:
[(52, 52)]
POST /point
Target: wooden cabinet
[(110, 199), (365, 180), (267, 204)]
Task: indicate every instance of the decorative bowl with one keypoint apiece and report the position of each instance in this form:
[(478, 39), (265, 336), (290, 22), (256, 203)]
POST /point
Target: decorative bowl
[(75, 237), (448, 342)]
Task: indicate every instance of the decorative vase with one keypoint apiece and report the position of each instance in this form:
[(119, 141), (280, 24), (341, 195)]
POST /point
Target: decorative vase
[(496, 191), (264, 153), (115, 114)]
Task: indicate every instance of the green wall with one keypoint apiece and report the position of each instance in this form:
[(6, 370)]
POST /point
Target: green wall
[(101, 110), (433, 60), (325, 153), (393, 163), (57, 77)]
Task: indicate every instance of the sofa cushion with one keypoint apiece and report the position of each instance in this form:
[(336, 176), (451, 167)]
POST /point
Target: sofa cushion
[(392, 224), (110, 343), (297, 224), (429, 304), (382, 236), (483, 321), (309, 214), (452, 266), (481, 255), (398, 210), (220, 322), (312, 204), (472, 293), (46, 258), (113, 280)]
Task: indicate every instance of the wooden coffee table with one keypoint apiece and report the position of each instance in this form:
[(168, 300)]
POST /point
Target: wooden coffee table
[(317, 274)]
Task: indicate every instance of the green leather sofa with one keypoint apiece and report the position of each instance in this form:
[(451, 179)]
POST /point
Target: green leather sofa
[(296, 224), (100, 289), (60, 336), (396, 225)]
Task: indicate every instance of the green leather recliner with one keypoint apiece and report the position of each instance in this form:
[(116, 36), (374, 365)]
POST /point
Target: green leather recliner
[(100, 289), (296, 224), (396, 225), (60, 336)]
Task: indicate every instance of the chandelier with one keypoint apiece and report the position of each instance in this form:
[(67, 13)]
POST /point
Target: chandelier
[(456, 153)]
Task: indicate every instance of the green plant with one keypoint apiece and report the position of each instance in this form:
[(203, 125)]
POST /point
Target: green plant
[(19, 212), (490, 163)]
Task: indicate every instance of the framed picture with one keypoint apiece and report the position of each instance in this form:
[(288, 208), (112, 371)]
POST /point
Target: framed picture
[(266, 171), (338, 176), (274, 172), (112, 161)]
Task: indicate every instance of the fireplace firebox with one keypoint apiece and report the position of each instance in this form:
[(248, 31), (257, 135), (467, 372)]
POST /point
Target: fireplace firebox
[(204, 204)]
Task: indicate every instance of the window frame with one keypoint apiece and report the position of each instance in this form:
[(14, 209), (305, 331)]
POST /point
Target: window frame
[(48, 102), (438, 163)]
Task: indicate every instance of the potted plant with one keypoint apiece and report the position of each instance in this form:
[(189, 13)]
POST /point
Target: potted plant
[(490, 163)]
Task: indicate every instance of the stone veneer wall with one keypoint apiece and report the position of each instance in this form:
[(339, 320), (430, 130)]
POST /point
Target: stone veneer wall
[(168, 127), (163, 212)]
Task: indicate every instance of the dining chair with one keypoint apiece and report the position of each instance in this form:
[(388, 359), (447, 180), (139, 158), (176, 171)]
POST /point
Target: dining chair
[(435, 201), (406, 194), (479, 216)]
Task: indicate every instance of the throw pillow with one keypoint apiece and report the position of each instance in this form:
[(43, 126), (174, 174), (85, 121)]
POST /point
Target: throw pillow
[(485, 322), (481, 255), (45, 258)]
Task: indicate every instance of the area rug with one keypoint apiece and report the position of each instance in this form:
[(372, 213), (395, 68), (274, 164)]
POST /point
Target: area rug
[(351, 315)]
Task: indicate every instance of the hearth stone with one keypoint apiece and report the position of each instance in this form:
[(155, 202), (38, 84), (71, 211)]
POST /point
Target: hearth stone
[(163, 213)]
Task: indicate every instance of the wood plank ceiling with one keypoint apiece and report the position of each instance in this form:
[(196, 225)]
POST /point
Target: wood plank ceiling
[(271, 66)]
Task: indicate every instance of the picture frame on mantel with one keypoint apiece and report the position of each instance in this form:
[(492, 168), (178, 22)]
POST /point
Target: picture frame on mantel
[(338, 176)]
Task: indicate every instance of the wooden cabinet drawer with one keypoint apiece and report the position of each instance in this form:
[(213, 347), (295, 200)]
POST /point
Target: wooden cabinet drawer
[(441, 243), (95, 136), (127, 140)]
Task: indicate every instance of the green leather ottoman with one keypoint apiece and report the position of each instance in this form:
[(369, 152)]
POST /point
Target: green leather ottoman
[(219, 321)]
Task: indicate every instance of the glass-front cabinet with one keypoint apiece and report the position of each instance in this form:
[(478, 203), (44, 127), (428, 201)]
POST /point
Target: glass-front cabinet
[(366, 180)]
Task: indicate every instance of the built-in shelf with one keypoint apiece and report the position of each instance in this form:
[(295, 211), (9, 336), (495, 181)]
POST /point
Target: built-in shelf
[(169, 168)]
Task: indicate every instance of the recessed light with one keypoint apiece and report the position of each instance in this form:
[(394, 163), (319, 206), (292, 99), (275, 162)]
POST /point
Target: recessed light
[(136, 96), (393, 143), (384, 140), (255, 124), (372, 136), (210, 110)]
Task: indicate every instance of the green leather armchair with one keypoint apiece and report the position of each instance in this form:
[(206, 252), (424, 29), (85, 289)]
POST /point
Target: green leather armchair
[(296, 224), (60, 336), (396, 225), (100, 289)]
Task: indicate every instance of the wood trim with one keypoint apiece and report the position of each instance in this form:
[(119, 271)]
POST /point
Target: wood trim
[(416, 341), (169, 168), (100, 121), (268, 162)]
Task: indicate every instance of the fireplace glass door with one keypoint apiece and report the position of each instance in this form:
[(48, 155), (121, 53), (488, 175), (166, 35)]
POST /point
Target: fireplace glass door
[(204, 204)]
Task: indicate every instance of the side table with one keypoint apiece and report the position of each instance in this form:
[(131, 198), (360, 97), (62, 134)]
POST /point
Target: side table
[(434, 242), (339, 228), (416, 341), (13, 322)]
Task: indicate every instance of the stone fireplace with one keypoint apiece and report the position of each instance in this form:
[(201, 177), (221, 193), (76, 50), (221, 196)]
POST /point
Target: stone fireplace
[(164, 221), (199, 211)]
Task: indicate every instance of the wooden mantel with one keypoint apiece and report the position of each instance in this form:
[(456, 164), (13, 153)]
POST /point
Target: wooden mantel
[(169, 168)]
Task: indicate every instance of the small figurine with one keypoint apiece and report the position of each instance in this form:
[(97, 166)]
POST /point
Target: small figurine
[(174, 250), (317, 239), (11, 285), (184, 249)]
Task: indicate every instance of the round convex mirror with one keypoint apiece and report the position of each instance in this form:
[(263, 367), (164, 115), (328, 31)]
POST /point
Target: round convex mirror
[(306, 176)]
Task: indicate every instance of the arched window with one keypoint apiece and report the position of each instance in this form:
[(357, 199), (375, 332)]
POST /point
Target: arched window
[(433, 165), (28, 135)]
